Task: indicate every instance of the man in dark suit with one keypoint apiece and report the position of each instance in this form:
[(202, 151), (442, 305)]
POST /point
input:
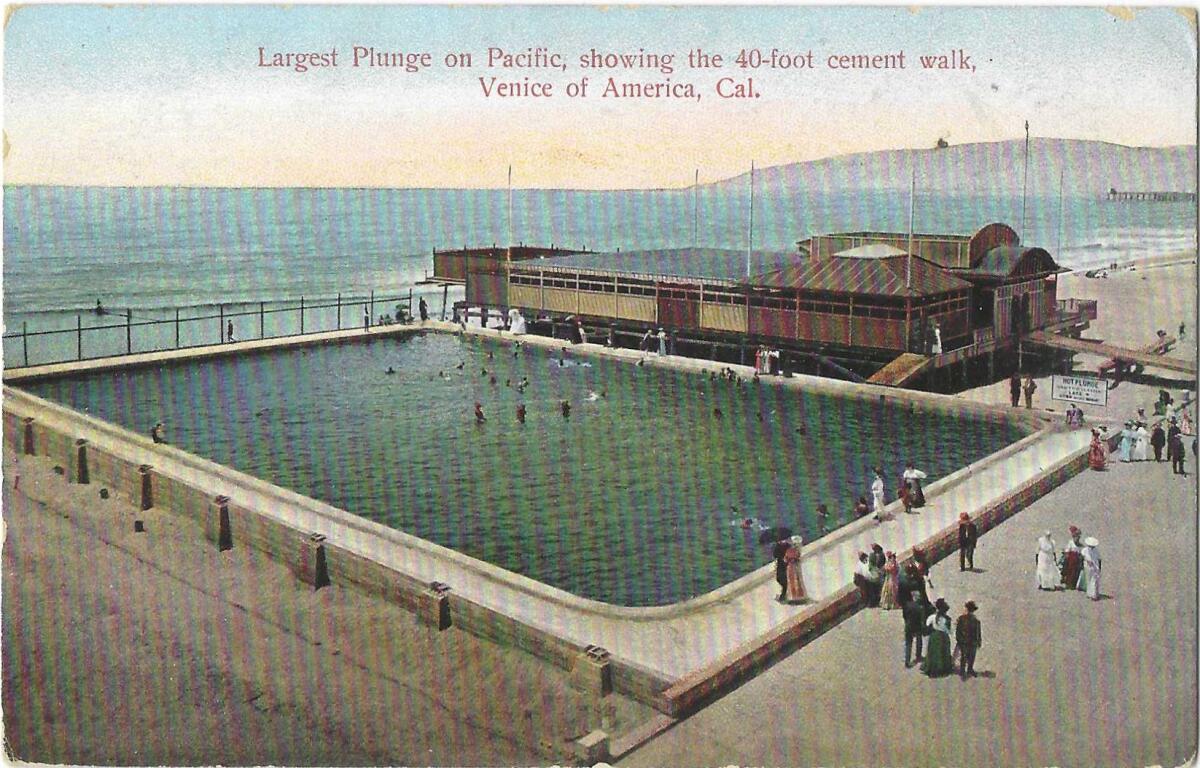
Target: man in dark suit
[(968, 535), (969, 636), (781, 548), (916, 611)]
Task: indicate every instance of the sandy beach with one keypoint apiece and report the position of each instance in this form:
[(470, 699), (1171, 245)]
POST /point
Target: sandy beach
[(152, 648)]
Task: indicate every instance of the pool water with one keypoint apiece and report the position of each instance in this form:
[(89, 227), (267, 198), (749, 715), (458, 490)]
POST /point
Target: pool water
[(636, 498)]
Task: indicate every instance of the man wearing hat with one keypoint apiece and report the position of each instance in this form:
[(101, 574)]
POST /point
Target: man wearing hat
[(968, 534), (916, 610), (1175, 452), (968, 633)]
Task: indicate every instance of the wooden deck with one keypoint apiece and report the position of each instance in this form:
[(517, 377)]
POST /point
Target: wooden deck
[(904, 368), (1144, 356)]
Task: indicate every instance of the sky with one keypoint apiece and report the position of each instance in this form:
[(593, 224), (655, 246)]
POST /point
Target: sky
[(178, 95)]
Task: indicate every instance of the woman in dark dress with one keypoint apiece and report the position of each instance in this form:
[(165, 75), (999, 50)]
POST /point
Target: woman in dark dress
[(938, 658)]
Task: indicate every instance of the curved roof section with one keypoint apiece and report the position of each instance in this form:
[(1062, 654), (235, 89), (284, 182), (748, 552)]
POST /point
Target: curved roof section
[(1007, 261), (885, 276)]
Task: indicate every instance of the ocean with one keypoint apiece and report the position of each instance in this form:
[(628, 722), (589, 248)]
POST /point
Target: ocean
[(153, 250)]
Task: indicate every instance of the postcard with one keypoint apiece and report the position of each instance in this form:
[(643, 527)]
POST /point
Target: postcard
[(642, 385)]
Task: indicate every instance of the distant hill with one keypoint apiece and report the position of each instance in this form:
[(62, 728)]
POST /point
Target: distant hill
[(1088, 167)]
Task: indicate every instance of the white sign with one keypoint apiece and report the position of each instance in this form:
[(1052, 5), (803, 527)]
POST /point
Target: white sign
[(1079, 389)]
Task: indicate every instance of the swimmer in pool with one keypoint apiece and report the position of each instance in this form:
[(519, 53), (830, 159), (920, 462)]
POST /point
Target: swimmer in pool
[(390, 370), (565, 406), (479, 417), (521, 413)]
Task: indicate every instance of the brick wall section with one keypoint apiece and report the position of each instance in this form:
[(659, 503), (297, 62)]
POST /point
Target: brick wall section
[(346, 567), (749, 659), (14, 433), (115, 472)]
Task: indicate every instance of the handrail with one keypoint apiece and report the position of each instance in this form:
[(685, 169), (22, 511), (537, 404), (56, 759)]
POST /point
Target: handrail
[(297, 307)]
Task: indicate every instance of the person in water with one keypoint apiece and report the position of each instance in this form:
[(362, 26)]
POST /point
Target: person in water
[(100, 308), (521, 413), (479, 417), (390, 370), (156, 433), (566, 409)]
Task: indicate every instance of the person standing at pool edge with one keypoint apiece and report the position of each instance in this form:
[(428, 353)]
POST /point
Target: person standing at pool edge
[(780, 554), (1014, 389), (878, 501), (423, 309), (156, 433)]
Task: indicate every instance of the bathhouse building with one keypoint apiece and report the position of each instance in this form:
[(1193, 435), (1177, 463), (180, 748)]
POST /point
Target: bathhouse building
[(923, 310)]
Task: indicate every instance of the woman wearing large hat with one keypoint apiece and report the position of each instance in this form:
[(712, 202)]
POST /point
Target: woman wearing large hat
[(938, 659)]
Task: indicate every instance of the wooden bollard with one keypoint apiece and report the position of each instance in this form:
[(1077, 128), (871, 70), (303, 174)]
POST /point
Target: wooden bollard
[(311, 568), (433, 608), (79, 468), (145, 472), (28, 436), (592, 672), (216, 523)]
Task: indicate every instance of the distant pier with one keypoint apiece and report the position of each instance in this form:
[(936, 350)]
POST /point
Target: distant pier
[(1153, 197)]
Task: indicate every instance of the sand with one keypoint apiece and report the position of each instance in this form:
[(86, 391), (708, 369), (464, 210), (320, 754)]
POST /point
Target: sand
[(153, 648)]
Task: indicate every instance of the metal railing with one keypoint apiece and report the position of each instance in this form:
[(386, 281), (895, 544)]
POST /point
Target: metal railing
[(167, 328)]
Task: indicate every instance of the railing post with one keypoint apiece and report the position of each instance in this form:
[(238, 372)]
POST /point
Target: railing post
[(25, 341), (410, 312), (372, 306), (177, 328), (262, 312), (302, 315), (129, 331), (221, 324), (339, 312), (79, 337)]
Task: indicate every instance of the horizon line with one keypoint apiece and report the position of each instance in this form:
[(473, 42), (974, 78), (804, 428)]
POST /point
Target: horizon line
[(427, 188)]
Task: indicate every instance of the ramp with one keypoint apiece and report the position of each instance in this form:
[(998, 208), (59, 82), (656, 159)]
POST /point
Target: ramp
[(903, 369), (1145, 356)]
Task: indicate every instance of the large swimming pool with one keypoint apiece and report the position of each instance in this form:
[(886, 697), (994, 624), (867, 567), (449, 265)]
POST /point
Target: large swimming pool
[(633, 499)]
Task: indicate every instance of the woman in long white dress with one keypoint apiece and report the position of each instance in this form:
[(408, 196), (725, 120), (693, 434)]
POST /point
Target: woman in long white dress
[(1048, 576), (1091, 566), (1142, 444), (877, 500)]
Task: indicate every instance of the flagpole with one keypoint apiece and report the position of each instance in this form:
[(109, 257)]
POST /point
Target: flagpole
[(508, 254), (750, 232), (1025, 183), (1058, 245), (696, 210), (912, 207)]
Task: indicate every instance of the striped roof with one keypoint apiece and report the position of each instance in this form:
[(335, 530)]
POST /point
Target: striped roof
[(874, 276)]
